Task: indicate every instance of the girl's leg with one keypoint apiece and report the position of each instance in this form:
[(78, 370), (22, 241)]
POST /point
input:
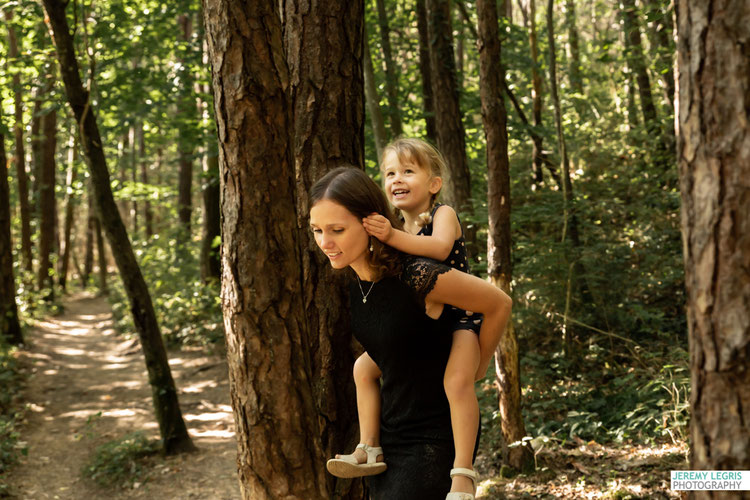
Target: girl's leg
[(367, 381), (459, 387)]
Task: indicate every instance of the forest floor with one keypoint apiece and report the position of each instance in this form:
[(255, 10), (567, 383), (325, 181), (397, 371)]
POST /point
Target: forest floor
[(88, 386)]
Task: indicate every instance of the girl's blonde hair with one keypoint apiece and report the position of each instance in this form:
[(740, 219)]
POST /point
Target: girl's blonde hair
[(425, 156)]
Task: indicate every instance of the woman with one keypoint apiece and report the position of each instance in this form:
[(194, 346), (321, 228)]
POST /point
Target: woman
[(399, 316)]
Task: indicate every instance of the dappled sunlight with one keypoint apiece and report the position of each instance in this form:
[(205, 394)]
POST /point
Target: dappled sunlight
[(67, 351), (199, 386), (223, 434), (208, 417)]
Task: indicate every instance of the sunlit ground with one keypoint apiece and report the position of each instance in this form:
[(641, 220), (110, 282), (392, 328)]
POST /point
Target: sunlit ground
[(591, 470)]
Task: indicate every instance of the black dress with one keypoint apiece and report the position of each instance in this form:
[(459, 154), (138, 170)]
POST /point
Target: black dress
[(457, 259), (411, 349)]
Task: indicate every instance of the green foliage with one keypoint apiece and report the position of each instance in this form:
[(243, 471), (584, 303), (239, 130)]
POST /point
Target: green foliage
[(11, 380), (188, 311), (121, 462)]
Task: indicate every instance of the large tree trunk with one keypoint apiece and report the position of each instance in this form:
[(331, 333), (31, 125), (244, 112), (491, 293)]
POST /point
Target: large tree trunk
[(373, 104), (10, 328), (428, 104), (327, 95), (451, 138), (391, 78), (494, 118), (281, 429), (47, 208), (171, 425), (712, 148), (19, 159)]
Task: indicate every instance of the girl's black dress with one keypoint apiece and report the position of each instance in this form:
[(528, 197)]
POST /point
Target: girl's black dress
[(411, 349)]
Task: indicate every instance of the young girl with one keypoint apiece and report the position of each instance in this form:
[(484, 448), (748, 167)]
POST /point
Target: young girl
[(412, 170)]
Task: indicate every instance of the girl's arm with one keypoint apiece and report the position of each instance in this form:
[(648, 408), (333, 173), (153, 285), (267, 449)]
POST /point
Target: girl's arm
[(445, 230), (470, 293)]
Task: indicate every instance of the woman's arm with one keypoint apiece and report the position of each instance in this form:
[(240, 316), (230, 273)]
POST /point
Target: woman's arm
[(470, 293), (446, 229)]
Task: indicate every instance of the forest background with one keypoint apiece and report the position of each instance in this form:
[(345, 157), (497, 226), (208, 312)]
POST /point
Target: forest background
[(597, 268)]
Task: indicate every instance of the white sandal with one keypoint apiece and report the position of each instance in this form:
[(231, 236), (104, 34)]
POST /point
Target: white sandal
[(458, 471), (347, 466)]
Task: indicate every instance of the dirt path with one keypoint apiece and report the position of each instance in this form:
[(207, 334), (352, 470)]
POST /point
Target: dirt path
[(83, 372)]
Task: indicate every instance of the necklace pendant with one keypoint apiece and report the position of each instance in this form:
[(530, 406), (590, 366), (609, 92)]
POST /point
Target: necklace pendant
[(364, 300)]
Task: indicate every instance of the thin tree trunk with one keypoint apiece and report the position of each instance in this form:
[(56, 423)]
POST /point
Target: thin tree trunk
[(36, 149), (133, 173), (88, 262), (328, 131), (537, 151), (391, 78), (101, 256), (662, 42), (499, 267), (47, 201), (10, 328), (70, 203), (428, 104), (574, 65), (450, 128), (713, 69), (148, 215), (174, 434), (210, 254), (373, 104), (187, 111), (19, 159), (636, 60)]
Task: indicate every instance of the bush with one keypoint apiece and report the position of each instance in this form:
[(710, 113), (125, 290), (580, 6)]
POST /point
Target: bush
[(120, 462)]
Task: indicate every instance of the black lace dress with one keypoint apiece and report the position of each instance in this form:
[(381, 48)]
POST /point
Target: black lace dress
[(411, 350)]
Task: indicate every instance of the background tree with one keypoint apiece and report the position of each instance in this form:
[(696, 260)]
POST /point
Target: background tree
[(713, 141), (10, 328), (175, 438)]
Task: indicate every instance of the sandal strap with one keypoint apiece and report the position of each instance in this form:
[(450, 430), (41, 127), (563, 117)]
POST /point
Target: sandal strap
[(371, 451), (460, 471)]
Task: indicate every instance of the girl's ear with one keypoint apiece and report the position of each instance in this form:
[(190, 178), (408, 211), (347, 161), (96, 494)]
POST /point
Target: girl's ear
[(436, 183)]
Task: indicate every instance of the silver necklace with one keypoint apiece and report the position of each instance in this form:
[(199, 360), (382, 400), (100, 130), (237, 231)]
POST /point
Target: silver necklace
[(364, 295)]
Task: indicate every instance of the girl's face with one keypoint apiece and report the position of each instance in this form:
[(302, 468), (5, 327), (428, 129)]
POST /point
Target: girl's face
[(340, 234), (409, 187)]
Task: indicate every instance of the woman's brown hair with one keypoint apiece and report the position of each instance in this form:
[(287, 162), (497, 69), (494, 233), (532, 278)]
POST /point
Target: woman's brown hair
[(351, 188)]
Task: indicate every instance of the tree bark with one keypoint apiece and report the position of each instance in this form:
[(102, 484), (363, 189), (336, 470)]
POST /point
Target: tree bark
[(373, 104), (88, 261), (283, 431), (499, 268), (327, 96), (391, 78), (428, 104), (101, 256), (450, 129), (713, 141), (47, 202), (19, 158), (10, 328), (174, 434)]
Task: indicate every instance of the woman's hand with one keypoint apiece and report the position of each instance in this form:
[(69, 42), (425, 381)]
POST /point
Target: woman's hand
[(378, 226)]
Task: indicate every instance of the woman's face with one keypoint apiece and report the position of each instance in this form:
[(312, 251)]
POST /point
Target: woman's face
[(340, 234)]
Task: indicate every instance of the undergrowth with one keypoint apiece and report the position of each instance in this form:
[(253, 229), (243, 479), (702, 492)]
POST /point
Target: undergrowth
[(11, 413), (121, 462), (629, 394)]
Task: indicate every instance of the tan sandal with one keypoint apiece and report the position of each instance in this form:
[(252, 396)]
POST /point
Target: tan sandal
[(459, 471), (348, 466)]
